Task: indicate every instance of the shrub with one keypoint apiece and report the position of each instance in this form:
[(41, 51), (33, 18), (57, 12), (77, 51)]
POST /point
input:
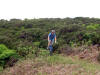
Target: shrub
[(24, 50), (43, 44), (6, 54)]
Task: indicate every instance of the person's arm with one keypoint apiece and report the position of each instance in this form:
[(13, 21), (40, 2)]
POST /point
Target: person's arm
[(55, 39), (48, 37)]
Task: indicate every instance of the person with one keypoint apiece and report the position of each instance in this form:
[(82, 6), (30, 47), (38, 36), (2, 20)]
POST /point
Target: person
[(51, 39)]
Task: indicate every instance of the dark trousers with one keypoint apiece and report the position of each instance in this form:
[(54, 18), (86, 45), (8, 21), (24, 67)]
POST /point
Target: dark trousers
[(51, 50)]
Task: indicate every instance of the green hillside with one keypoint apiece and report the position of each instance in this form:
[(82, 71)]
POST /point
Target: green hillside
[(25, 41)]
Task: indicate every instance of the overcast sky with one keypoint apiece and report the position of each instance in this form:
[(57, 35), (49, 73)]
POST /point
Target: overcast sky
[(21, 9)]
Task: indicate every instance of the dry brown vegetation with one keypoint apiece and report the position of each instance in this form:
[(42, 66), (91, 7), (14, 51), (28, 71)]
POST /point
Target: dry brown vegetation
[(90, 53), (77, 62)]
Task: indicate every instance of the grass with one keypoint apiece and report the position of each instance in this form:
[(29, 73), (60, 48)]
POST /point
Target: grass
[(1, 68), (58, 59), (74, 63), (41, 73), (86, 65)]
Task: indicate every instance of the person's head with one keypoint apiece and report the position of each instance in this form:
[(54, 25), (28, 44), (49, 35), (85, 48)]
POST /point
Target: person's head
[(52, 31)]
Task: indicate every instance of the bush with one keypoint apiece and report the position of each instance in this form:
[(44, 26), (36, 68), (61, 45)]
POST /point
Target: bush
[(6, 54), (56, 47), (43, 44), (24, 50)]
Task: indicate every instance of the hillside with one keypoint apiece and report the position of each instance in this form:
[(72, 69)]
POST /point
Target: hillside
[(23, 45)]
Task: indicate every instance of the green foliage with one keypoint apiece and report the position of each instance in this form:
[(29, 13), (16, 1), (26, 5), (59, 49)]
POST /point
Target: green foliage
[(24, 50), (36, 44), (58, 59), (93, 27), (1, 68), (6, 54), (43, 44), (33, 30), (28, 35), (43, 53), (71, 44), (2, 48)]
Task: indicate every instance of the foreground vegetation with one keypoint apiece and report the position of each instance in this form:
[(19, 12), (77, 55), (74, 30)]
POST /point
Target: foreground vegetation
[(56, 64)]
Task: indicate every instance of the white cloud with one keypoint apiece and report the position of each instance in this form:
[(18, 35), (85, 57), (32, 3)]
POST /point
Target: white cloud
[(48, 8)]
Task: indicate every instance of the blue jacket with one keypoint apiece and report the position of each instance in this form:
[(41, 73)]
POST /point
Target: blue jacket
[(51, 36)]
